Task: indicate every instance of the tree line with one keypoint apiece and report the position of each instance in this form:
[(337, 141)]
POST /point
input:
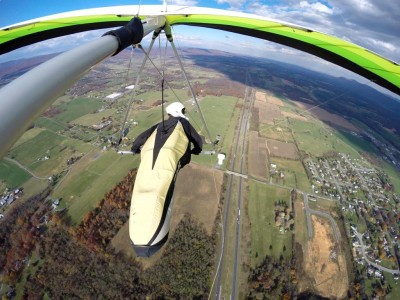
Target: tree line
[(100, 225)]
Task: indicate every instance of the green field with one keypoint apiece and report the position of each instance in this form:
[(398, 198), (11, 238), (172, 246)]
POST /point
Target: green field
[(94, 118), (317, 139), (28, 135), (3, 186), (77, 108), (393, 174), (265, 236), (395, 285), (90, 179), (276, 132), (34, 186), (58, 149), (358, 143), (301, 232), (12, 175), (218, 113), (50, 124), (295, 175), (36, 148)]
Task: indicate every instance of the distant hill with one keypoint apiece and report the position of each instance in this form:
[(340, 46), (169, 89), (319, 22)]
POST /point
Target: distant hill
[(342, 96), (15, 68), (338, 95)]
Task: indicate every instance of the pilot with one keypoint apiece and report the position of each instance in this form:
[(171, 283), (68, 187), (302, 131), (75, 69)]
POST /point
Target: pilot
[(164, 148), (176, 112)]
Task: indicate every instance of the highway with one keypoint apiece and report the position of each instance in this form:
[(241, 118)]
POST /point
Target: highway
[(242, 159), (235, 153)]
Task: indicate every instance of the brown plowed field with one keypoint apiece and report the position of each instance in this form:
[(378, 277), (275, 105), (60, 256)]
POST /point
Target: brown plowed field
[(281, 149), (260, 96), (324, 263), (268, 97), (273, 100), (257, 155), (268, 112)]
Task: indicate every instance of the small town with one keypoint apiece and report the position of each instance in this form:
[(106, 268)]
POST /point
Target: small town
[(369, 206)]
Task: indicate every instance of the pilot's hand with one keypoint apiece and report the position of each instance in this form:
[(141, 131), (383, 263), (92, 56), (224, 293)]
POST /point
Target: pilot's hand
[(135, 151), (195, 151)]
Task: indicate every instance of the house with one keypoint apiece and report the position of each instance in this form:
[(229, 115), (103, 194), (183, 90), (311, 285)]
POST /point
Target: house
[(113, 96), (55, 203), (378, 274)]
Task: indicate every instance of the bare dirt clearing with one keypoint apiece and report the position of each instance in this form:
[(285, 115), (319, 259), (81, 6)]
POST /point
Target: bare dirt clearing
[(324, 263), (196, 193), (281, 149)]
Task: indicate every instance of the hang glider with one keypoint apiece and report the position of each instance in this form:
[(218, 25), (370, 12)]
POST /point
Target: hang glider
[(359, 60)]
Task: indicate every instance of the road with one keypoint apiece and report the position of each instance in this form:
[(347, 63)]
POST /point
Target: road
[(310, 211), (308, 216), (359, 237), (218, 287), (242, 160)]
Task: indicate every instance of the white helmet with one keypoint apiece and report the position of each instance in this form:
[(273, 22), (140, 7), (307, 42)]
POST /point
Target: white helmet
[(176, 109)]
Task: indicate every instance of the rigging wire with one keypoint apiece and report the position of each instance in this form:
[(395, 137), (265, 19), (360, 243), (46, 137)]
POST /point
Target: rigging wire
[(166, 82), (129, 103), (190, 86), (180, 53), (140, 3), (162, 64)]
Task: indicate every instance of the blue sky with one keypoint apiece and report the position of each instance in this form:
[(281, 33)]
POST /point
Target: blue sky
[(373, 24), (12, 11)]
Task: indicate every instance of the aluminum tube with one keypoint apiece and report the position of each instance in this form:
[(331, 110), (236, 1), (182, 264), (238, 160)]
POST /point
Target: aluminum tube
[(28, 96)]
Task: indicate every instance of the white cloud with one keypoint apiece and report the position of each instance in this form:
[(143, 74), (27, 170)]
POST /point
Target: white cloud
[(183, 2), (316, 7), (234, 4), (372, 24)]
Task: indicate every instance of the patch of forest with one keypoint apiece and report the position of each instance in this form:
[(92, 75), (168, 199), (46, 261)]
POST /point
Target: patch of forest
[(218, 87), (273, 279), (19, 232)]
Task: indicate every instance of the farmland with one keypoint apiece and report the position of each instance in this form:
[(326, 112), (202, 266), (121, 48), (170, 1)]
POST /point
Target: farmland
[(265, 236), (285, 135)]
